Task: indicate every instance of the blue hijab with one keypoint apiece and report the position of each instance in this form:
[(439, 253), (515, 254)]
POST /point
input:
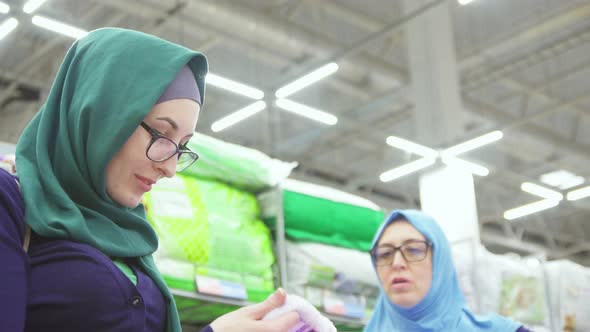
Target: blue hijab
[(444, 307)]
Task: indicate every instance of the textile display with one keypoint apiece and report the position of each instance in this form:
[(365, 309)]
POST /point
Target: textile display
[(325, 215), (569, 289), (236, 165), (513, 287), (210, 229)]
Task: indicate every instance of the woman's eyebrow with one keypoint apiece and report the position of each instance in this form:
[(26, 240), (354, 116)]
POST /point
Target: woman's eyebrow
[(389, 244), (170, 121), (174, 125)]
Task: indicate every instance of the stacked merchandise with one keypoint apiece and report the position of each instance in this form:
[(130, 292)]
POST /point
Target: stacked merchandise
[(464, 260), (514, 287), (207, 220), (314, 213), (545, 296), (569, 289), (339, 280), (329, 233), (235, 165)]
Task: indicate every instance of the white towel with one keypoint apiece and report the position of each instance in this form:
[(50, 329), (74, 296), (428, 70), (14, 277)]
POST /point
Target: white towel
[(310, 319)]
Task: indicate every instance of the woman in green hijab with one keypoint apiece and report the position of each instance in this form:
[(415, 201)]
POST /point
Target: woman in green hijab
[(117, 119)]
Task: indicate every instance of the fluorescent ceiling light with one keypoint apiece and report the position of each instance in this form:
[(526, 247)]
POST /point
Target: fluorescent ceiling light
[(541, 191), (466, 165), (406, 169), (307, 111), (411, 147), (531, 208), (7, 26), (32, 5), (307, 80), (464, 2), (238, 116), (578, 194), (59, 27), (562, 179), (233, 86), (474, 143), (4, 8)]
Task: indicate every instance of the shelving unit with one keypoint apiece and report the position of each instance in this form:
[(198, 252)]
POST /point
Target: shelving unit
[(199, 309), (272, 208), (209, 298), (191, 303)]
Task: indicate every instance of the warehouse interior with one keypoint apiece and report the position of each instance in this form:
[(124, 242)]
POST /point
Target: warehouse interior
[(434, 73)]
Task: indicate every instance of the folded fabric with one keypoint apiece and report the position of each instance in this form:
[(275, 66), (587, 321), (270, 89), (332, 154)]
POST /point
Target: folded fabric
[(317, 219), (179, 217), (211, 229), (346, 263), (207, 222), (239, 166), (513, 287), (310, 319), (569, 287), (316, 190)]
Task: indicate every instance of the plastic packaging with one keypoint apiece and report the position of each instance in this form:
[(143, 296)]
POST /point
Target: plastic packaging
[(238, 166)]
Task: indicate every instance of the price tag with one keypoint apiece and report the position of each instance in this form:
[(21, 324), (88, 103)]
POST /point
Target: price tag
[(218, 287), (341, 306)]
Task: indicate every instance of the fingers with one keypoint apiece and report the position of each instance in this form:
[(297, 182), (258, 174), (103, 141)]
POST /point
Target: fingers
[(275, 300), (282, 323)]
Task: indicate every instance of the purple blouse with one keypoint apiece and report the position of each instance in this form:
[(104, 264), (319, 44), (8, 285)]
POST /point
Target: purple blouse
[(67, 286)]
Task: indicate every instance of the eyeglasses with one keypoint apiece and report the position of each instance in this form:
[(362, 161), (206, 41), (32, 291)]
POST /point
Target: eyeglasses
[(412, 251), (161, 148)]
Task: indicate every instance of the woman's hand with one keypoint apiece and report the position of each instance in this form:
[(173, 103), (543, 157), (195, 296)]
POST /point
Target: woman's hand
[(248, 318)]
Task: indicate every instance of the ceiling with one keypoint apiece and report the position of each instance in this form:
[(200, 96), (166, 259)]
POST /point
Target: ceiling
[(523, 68)]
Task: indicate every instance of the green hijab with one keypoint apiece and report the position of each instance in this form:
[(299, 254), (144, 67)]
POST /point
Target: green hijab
[(107, 83)]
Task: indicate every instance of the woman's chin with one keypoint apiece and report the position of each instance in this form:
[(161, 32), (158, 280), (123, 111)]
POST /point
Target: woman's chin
[(130, 201), (403, 301)]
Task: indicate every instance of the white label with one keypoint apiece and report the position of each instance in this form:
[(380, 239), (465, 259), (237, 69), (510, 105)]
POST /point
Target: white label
[(218, 287), (336, 305)]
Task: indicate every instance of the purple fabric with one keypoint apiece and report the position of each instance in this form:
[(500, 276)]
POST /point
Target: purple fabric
[(207, 329), (15, 268), (183, 86), (523, 329), (67, 286)]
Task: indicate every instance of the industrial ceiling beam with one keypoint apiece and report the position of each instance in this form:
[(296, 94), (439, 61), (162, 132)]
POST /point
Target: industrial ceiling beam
[(559, 22), (32, 62)]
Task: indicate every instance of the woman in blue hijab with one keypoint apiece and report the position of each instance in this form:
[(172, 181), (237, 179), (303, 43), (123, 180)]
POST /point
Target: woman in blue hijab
[(419, 287)]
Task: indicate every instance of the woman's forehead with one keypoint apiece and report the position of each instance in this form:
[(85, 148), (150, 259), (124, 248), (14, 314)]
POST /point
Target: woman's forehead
[(400, 231)]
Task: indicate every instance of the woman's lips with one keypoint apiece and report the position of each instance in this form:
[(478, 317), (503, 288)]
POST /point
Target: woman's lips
[(400, 283), (144, 183)]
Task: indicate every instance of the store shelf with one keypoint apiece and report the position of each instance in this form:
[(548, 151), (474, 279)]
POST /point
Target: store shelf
[(338, 320), (351, 322), (209, 298), (274, 198), (199, 309)]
